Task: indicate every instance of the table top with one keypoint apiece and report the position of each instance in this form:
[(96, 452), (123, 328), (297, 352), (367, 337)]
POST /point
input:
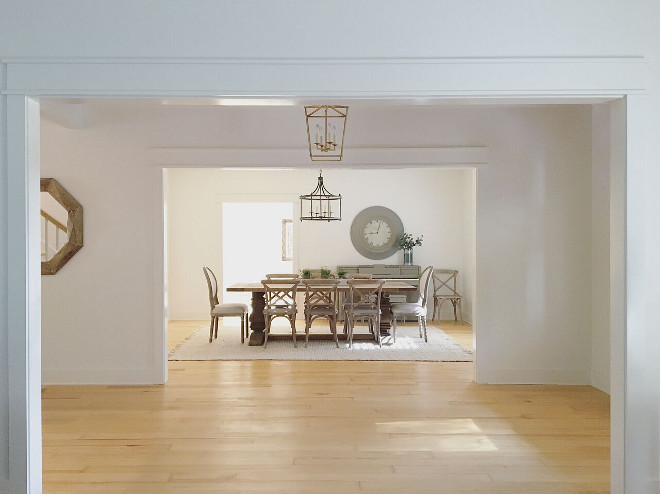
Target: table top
[(388, 286)]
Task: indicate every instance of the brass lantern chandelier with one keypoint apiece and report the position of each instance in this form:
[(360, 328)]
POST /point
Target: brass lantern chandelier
[(320, 204), (326, 125)]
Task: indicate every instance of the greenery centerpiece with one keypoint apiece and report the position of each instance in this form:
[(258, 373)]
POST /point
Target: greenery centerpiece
[(407, 242)]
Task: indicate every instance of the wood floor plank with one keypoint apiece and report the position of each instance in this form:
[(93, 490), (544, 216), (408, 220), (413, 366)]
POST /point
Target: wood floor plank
[(317, 427)]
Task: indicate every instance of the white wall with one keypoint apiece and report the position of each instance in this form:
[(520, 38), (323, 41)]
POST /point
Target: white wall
[(430, 202), (533, 249), (533, 227), (600, 248)]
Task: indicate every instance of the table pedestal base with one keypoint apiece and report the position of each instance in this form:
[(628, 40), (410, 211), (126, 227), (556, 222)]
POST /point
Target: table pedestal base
[(257, 321), (385, 314)]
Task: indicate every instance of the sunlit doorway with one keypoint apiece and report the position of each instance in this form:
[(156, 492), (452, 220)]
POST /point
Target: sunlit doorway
[(260, 234)]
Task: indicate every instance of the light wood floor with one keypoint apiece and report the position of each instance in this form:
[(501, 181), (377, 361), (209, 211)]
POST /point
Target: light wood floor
[(317, 427)]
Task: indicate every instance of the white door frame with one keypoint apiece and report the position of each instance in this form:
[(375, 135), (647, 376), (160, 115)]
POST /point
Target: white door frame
[(544, 79)]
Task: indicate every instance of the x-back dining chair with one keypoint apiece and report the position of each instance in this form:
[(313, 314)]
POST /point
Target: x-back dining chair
[(280, 297), (365, 297), (415, 309), (321, 301), (219, 310), (444, 288), (346, 300)]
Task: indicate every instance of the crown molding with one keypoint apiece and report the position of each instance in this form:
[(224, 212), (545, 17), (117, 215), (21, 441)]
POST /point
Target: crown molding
[(340, 77)]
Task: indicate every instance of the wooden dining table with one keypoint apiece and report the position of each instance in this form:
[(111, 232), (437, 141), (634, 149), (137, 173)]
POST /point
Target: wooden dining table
[(258, 323)]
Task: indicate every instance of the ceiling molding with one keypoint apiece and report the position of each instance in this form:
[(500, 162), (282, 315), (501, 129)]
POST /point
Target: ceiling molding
[(358, 77), (399, 157)]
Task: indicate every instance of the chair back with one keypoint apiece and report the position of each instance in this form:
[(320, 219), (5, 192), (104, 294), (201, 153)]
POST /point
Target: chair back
[(320, 293), (424, 281), (212, 283), (357, 276), (280, 294), (282, 276), (365, 293), (444, 282)]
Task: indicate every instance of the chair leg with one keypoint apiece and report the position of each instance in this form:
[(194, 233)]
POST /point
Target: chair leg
[(394, 329), (333, 326), (423, 320), (211, 330), (266, 331), (292, 320), (350, 333), (215, 331), (419, 326), (308, 323), (377, 332), (242, 329)]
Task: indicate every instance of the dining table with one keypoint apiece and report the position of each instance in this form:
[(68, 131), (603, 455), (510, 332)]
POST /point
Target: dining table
[(258, 302)]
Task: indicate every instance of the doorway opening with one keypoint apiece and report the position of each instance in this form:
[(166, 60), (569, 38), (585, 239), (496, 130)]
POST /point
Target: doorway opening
[(260, 234)]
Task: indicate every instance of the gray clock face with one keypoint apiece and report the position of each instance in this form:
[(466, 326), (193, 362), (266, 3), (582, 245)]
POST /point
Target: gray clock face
[(375, 231)]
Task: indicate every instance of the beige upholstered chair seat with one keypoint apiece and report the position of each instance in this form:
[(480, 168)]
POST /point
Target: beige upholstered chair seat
[(322, 310), (359, 311), (280, 311), (408, 309), (229, 310)]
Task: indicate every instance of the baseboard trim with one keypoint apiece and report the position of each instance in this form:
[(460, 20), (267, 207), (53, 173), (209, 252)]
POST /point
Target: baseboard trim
[(97, 377), (535, 376), (600, 381)]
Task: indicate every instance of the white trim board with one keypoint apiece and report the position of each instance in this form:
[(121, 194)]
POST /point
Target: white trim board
[(299, 158), (348, 77)]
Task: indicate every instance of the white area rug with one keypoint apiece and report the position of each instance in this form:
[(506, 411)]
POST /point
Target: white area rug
[(408, 346)]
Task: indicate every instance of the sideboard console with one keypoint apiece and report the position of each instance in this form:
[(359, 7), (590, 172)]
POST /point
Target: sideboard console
[(384, 271), (403, 272)]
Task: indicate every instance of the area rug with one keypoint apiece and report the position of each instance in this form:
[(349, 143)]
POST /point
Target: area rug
[(408, 346)]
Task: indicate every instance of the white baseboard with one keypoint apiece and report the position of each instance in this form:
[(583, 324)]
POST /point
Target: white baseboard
[(600, 381), (535, 376), (97, 376)]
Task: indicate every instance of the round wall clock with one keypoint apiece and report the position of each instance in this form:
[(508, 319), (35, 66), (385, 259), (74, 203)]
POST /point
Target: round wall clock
[(375, 232)]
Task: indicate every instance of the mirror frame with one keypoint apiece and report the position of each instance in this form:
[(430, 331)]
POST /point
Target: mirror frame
[(74, 226)]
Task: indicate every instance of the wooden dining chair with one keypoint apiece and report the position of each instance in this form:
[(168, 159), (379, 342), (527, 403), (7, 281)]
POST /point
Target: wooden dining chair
[(416, 309), (365, 297), (321, 301), (219, 310), (280, 295), (444, 289), (346, 299)]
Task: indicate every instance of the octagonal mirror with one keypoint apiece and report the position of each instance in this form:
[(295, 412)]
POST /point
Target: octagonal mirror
[(61, 226)]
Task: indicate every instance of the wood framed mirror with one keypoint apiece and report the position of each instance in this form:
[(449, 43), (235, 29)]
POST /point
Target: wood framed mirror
[(61, 226)]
